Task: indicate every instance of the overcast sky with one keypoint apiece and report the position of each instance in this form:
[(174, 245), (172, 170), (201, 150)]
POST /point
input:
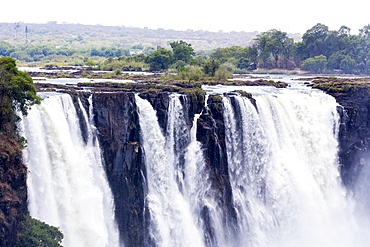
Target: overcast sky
[(231, 15)]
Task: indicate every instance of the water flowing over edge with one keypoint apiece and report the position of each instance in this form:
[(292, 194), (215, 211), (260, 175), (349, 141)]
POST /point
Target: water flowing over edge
[(67, 185), (282, 163)]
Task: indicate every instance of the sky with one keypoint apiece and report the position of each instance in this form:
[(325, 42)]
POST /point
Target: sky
[(231, 15)]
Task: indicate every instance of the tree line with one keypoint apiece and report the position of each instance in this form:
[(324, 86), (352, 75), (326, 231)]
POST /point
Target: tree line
[(320, 51)]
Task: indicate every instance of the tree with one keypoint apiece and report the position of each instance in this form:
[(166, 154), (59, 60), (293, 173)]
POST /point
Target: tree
[(316, 64), (275, 44), (365, 31), (17, 91), (182, 51), (348, 65), (35, 233), (160, 59), (314, 39), (210, 67), (244, 63)]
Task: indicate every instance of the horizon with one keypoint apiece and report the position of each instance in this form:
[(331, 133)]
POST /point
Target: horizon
[(236, 16)]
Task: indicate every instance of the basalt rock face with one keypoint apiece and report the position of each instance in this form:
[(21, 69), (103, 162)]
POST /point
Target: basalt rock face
[(13, 191), (354, 135), (117, 122), (160, 102), (116, 118), (354, 131), (211, 133)]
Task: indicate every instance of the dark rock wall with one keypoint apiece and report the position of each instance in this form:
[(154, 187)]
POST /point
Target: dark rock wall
[(354, 132), (116, 119), (13, 191), (211, 133)]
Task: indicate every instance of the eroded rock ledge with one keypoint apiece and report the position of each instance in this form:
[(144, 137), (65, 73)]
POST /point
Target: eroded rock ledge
[(353, 95)]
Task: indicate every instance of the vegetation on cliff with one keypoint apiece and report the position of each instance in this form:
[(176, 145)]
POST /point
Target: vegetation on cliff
[(36, 233), (17, 93), (342, 86)]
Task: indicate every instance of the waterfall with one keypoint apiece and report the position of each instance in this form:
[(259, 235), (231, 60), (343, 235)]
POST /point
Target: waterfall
[(284, 171), (284, 186), (67, 185), (172, 221)]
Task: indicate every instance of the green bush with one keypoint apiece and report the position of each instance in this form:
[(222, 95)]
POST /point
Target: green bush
[(35, 233), (223, 74), (316, 64), (190, 73)]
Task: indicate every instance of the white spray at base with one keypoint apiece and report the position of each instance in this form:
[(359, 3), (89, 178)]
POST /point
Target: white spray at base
[(67, 186)]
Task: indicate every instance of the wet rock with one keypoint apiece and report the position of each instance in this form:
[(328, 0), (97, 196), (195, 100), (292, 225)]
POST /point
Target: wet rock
[(117, 121), (13, 191), (211, 133)]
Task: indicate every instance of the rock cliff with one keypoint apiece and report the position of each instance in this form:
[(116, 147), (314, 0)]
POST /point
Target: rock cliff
[(353, 96), (211, 133), (116, 119), (117, 122), (13, 190)]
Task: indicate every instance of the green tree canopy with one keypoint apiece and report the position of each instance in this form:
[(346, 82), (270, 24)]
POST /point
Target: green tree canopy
[(314, 39), (316, 64), (182, 51), (275, 44), (160, 59), (17, 91), (39, 234)]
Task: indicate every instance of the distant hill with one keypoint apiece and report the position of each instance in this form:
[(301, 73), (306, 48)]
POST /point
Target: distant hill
[(88, 36)]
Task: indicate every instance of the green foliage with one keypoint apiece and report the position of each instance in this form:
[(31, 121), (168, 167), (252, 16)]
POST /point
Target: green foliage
[(275, 44), (211, 66), (17, 91), (316, 64), (182, 51), (123, 64), (39, 234), (348, 65), (223, 74), (314, 39), (160, 60), (269, 50), (190, 73)]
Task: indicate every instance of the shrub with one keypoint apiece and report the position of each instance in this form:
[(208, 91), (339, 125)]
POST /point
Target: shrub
[(316, 64), (35, 233), (223, 74), (190, 73)]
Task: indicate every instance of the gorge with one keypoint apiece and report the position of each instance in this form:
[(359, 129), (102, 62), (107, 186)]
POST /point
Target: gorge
[(279, 167)]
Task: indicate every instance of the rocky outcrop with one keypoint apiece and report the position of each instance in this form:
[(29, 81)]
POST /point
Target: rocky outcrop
[(160, 102), (13, 190), (211, 133), (354, 130), (117, 122), (354, 134)]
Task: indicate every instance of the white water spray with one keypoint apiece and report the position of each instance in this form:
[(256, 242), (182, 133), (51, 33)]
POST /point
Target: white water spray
[(67, 185), (284, 171), (172, 222)]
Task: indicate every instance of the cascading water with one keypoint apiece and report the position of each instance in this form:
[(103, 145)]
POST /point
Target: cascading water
[(172, 222), (282, 167), (66, 183), (284, 171)]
